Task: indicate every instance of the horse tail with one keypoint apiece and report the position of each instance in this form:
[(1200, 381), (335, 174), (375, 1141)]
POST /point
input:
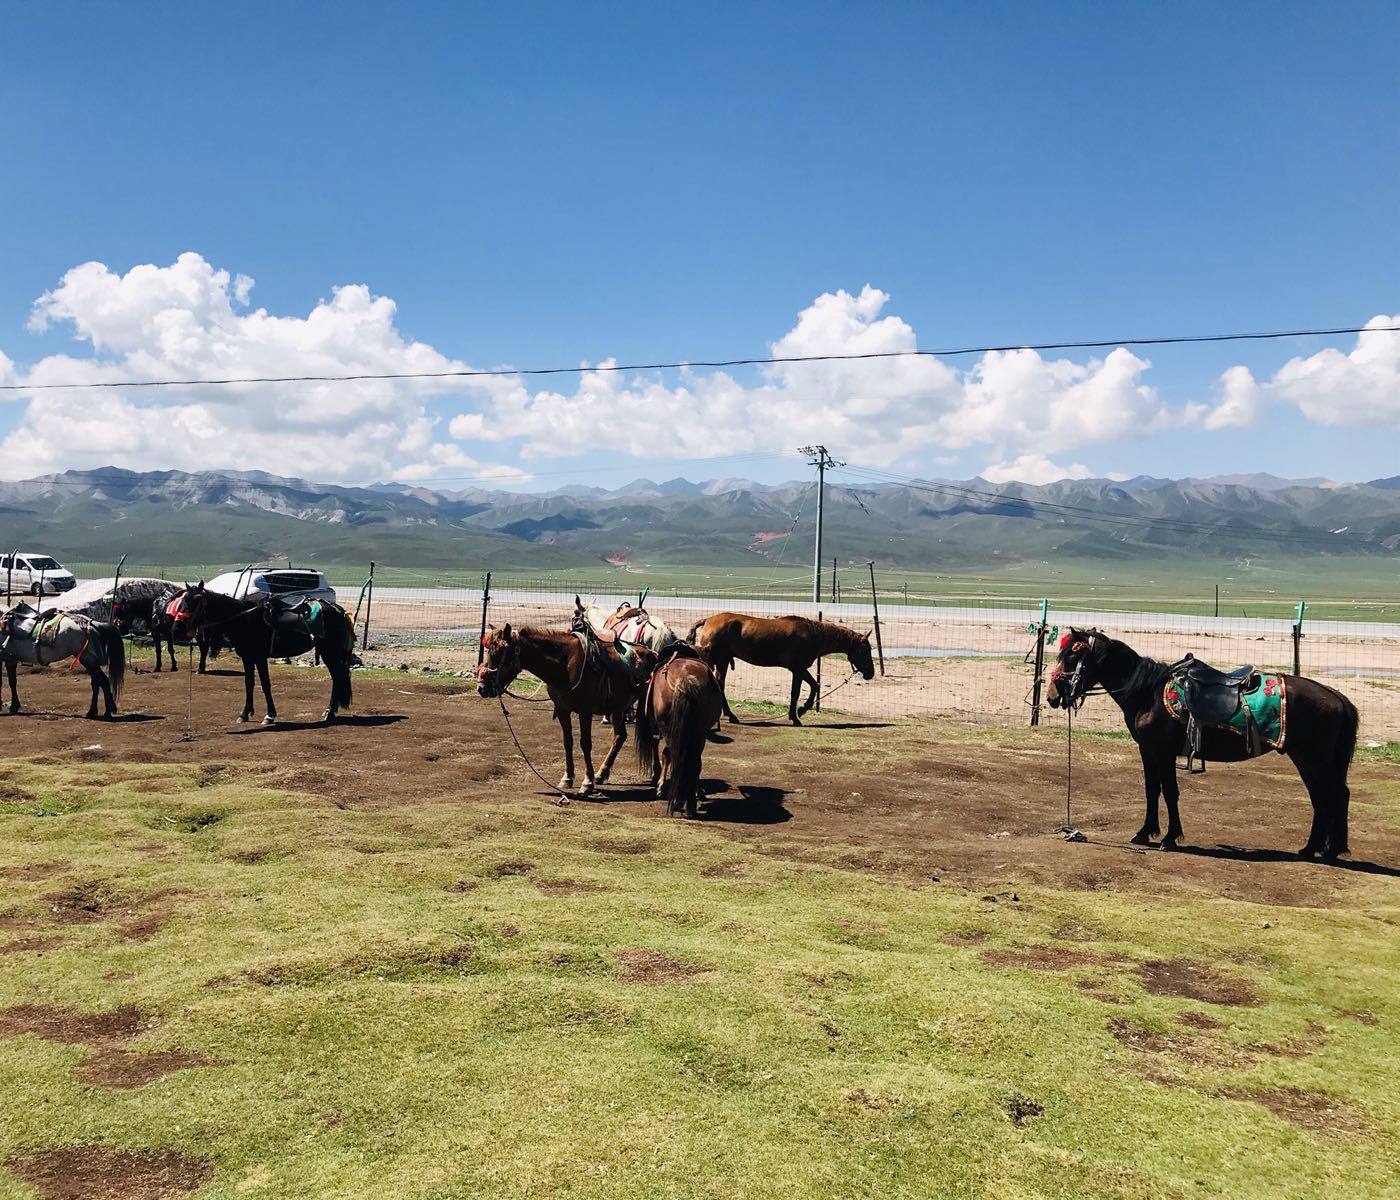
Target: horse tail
[(338, 650), (687, 729), (1346, 743), (115, 648), (645, 731), (690, 634)]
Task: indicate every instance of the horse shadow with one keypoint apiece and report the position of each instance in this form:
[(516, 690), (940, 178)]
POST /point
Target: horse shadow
[(1252, 854), (784, 723), (755, 805), (1258, 854), (361, 722)]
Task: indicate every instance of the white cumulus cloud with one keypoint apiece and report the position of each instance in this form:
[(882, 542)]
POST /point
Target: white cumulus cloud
[(185, 321), (1359, 388), (1033, 468)]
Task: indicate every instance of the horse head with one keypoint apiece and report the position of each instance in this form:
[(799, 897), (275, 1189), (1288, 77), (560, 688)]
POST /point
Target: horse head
[(1076, 668), (860, 657), (500, 663)]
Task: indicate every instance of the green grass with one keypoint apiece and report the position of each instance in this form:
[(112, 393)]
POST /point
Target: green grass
[(1335, 588), (400, 1010)]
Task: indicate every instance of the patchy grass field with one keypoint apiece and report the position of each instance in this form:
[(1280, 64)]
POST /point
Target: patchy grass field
[(220, 977)]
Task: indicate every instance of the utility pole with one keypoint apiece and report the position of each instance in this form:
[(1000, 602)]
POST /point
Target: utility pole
[(818, 457)]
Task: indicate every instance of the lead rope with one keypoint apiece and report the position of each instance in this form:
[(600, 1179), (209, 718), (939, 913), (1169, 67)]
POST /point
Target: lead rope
[(563, 797)]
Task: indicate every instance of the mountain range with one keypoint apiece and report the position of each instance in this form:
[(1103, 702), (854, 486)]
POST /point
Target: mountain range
[(241, 516)]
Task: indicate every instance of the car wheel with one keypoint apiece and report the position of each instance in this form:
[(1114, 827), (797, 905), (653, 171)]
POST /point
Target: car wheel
[(36, 589)]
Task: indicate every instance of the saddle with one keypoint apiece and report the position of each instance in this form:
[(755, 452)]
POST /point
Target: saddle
[(20, 621), (1213, 699)]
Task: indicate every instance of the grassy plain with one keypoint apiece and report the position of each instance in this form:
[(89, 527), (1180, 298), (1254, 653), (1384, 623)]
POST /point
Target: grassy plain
[(479, 999), (1335, 588)]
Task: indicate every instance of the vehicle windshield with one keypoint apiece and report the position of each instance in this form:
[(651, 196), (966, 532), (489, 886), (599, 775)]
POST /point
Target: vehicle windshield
[(43, 563)]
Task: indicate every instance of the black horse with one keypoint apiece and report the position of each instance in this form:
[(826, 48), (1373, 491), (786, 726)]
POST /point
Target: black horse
[(168, 623), (1321, 738), (262, 629)]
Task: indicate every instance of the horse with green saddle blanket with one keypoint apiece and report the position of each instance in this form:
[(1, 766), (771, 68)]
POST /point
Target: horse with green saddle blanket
[(28, 636), (1216, 716)]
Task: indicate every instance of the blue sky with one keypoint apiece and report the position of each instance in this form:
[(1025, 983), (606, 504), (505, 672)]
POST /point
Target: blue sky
[(559, 184)]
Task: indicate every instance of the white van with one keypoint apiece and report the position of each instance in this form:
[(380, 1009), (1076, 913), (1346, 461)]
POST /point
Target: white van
[(37, 574)]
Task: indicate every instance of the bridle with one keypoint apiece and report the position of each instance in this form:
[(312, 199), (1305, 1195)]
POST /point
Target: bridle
[(1071, 683), (505, 674)]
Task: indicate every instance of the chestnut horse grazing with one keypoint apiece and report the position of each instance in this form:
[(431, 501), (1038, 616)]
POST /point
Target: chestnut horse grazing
[(1321, 733), (582, 676), (681, 706), (791, 642)]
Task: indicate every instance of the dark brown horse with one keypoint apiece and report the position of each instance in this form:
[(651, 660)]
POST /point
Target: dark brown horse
[(682, 704), (581, 675), (794, 643), (1321, 735)]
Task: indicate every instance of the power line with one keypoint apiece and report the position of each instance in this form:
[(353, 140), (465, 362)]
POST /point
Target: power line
[(505, 372)]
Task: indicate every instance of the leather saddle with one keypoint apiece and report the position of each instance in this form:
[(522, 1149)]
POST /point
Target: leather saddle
[(291, 633), (1213, 699), (19, 621)]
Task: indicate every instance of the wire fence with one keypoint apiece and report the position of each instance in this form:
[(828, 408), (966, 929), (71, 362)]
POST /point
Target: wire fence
[(952, 661)]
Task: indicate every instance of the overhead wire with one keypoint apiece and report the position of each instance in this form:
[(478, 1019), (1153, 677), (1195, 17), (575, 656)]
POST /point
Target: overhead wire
[(773, 360)]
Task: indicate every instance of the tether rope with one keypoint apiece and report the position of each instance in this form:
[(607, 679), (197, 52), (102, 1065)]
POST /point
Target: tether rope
[(564, 797)]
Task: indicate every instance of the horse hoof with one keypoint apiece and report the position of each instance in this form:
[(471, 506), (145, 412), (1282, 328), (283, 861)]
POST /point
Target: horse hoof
[(1169, 844), (587, 788), (243, 719), (269, 720), (1141, 839), (1342, 855), (795, 721), (1309, 851), (566, 784)]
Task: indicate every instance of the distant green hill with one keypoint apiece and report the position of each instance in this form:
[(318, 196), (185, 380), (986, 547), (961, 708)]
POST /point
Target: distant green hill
[(236, 517)]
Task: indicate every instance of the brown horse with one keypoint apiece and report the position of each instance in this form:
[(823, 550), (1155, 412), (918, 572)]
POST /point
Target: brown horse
[(1322, 726), (681, 706), (581, 675), (791, 642)]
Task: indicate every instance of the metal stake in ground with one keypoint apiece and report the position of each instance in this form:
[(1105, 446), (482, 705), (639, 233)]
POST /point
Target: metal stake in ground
[(1071, 833), (188, 735)]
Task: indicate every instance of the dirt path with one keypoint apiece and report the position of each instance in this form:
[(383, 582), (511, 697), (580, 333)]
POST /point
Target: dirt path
[(922, 800)]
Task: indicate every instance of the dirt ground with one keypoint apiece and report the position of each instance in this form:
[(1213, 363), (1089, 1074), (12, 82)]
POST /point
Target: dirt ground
[(922, 800)]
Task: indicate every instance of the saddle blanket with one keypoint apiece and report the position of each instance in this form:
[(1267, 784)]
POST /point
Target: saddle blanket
[(1266, 701)]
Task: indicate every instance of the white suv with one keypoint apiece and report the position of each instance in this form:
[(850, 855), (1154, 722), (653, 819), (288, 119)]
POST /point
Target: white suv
[(254, 583), (38, 574)]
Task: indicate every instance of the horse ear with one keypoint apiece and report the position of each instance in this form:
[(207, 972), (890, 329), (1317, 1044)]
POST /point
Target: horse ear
[(578, 604), (866, 636), (505, 630)]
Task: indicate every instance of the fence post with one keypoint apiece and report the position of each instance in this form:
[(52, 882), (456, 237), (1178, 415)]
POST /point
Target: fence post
[(818, 705), (875, 601), (1039, 661), (369, 603), (485, 600), (1298, 639), (835, 584), (10, 576)]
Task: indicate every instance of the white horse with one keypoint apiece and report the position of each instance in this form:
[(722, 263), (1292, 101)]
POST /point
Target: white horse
[(632, 625), (30, 637)]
